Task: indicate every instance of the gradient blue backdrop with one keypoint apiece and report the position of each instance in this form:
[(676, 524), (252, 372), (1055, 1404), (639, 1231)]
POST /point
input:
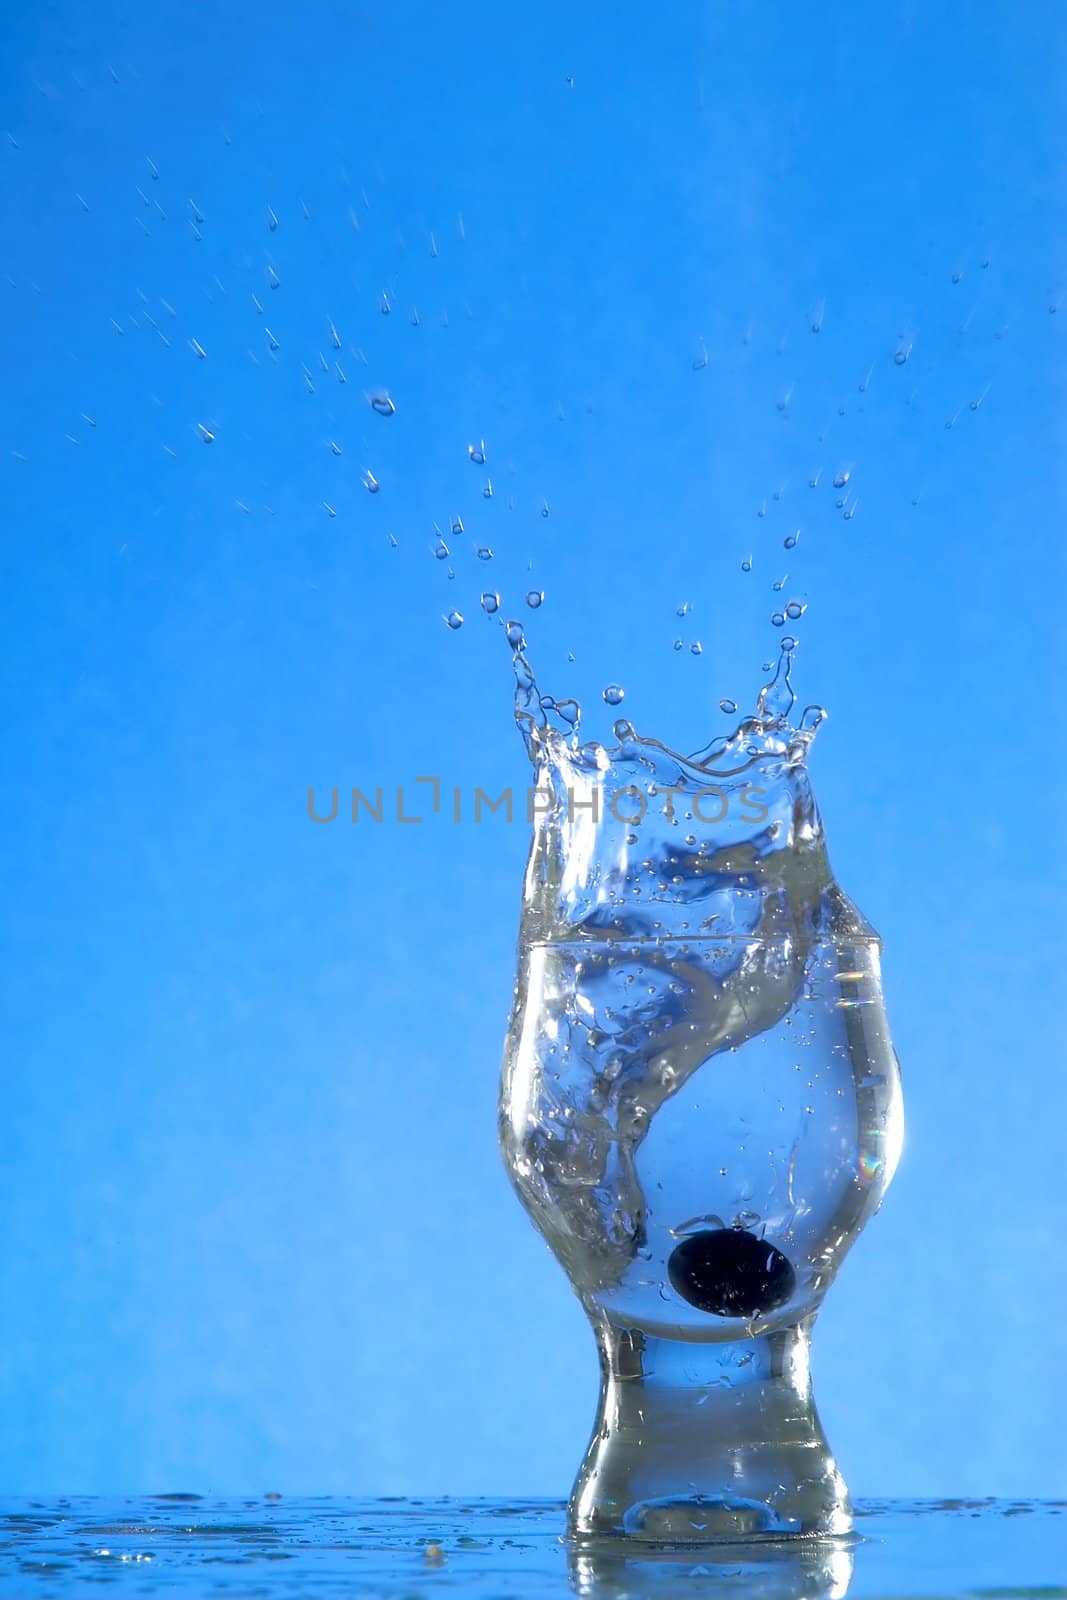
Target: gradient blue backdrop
[(255, 1234)]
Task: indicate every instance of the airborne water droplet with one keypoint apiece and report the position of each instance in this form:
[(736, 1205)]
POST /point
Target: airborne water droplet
[(679, 644), (476, 453), (382, 403), (614, 695), (841, 478), (778, 619), (206, 434), (455, 619), (746, 565), (515, 636), (370, 482), (791, 540), (484, 553), (490, 602), (535, 598), (440, 550), (796, 609), (684, 609), (901, 355), (729, 706), (335, 448), (696, 648)]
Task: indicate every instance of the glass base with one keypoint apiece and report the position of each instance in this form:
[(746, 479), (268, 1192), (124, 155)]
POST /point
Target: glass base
[(695, 1443)]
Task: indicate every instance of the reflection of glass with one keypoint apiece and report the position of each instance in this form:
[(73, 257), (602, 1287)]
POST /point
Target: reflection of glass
[(700, 1110), (816, 1569)]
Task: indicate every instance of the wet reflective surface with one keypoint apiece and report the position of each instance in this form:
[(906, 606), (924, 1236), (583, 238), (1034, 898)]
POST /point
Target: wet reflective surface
[(270, 1546)]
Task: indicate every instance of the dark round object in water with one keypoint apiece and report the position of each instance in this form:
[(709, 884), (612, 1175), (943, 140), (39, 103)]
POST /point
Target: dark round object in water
[(730, 1273)]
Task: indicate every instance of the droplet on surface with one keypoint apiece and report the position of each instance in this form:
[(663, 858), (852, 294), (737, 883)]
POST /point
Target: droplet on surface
[(614, 695)]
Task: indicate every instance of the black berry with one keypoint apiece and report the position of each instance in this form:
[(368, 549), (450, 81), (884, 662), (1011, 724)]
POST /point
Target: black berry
[(730, 1273)]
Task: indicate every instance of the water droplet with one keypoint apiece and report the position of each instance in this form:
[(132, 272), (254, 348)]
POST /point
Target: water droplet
[(679, 644), (384, 305), (850, 510), (813, 481), (683, 610), (544, 508), (272, 219), (613, 695), (779, 583), (335, 448), (817, 316), (382, 403), (457, 525), (696, 648), (957, 275), (791, 540), (487, 489), (901, 354), (455, 619), (440, 550), (778, 619), (729, 706), (205, 433), (796, 609), (328, 508), (272, 278), (476, 453), (784, 399), (535, 598), (515, 636), (272, 343), (841, 478), (490, 602), (746, 565), (700, 360), (484, 553), (788, 642), (762, 512), (370, 482)]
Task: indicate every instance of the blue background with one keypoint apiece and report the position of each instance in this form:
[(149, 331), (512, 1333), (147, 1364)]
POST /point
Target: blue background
[(255, 1230)]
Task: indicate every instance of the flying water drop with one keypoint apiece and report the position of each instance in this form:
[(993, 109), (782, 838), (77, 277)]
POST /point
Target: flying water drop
[(696, 648), (613, 695), (484, 553), (490, 602), (370, 482), (535, 598), (796, 609), (381, 402), (729, 706), (791, 540), (476, 453), (454, 619)]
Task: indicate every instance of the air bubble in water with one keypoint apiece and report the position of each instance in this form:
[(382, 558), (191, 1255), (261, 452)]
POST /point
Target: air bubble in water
[(370, 482), (696, 648), (791, 540), (796, 609), (382, 404), (484, 553), (729, 706), (490, 602), (476, 453), (515, 636), (535, 598)]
